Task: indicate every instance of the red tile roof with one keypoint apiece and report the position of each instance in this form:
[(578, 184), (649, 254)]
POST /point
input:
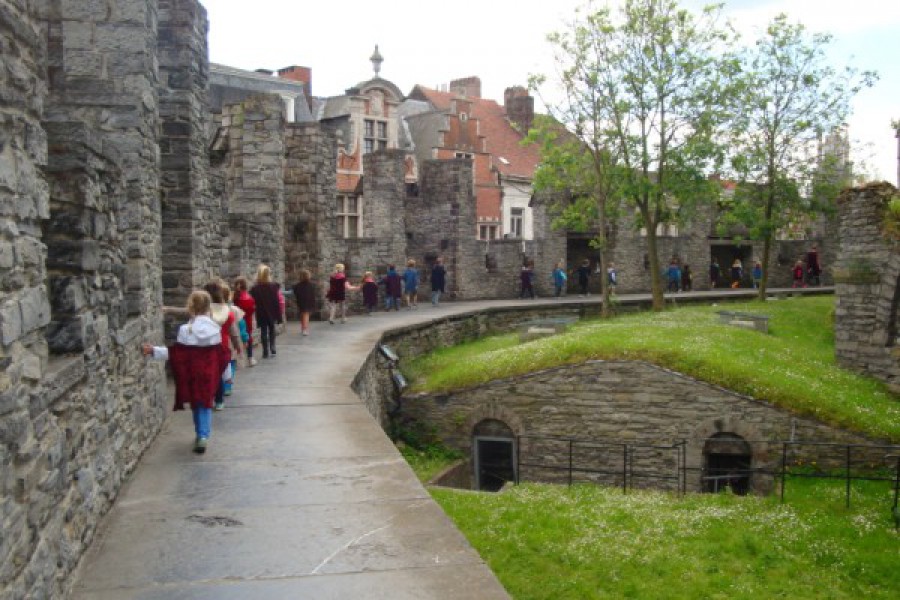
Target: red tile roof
[(502, 139)]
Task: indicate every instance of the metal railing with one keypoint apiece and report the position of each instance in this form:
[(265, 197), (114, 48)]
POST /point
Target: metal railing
[(617, 462)]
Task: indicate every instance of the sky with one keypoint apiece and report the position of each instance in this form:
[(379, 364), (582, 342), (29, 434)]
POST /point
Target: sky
[(504, 41)]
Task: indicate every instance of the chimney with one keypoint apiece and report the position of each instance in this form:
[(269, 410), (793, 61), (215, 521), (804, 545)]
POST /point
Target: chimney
[(301, 74), (519, 107), (470, 87)]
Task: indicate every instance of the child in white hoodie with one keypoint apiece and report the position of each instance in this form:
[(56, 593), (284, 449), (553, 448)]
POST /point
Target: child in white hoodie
[(197, 359)]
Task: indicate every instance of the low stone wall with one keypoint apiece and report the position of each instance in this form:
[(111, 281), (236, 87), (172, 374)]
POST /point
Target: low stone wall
[(614, 402)]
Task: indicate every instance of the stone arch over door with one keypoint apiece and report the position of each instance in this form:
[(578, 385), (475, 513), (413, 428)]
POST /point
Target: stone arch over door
[(493, 411), (734, 425)]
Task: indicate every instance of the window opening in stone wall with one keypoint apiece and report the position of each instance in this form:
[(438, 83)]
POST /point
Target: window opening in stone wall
[(727, 462), (892, 321), (349, 209)]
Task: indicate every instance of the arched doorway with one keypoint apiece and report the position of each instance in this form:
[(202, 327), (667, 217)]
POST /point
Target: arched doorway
[(727, 464), (494, 455)]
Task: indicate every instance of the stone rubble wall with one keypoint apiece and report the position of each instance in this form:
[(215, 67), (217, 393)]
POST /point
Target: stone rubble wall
[(80, 275), (193, 218), (254, 186), (867, 286)]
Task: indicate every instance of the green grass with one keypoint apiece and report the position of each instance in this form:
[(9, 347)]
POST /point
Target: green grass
[(586, 542), (793, 366)]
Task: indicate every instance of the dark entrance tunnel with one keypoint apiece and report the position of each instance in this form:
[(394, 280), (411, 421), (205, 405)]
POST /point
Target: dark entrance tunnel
[(728, 460)]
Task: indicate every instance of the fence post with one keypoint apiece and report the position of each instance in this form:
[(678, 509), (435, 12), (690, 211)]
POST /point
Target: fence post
[(624, 468), (570, 462), (849, 447), (783, 468), (518, 451)]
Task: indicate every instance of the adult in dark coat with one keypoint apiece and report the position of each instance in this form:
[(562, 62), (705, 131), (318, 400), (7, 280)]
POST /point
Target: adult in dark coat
[(268, 309), (305, 296), (813, 267), (715, 271), (438, 281)]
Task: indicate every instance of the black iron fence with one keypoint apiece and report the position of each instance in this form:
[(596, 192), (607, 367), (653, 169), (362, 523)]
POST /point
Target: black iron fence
[(630, 464)]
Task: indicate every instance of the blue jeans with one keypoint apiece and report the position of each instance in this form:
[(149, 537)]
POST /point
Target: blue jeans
[(435, 296), (202, 421)]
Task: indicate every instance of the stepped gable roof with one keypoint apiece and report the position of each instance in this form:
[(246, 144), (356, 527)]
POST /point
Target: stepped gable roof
[(511, 158)]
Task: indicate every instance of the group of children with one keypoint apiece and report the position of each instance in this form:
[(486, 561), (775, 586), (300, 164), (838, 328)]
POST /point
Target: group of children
[(215, 341), (397, 288), (560, 278)]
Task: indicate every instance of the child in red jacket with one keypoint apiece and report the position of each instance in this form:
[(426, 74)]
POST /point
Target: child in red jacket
[(244, 301), (198, 360)]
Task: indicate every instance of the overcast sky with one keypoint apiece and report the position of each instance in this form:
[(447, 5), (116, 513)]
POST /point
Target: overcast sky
[(503, 41)]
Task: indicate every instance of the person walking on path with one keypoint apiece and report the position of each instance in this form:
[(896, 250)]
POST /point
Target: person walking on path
[(612, 277), (237, 345), (526, 281), (687, 279), (305, 296), (438, 280), (246, 303), (797, 275), (198, 360), (393, 289), (715, 272), (673, 273), (757, 275), (268, 309), (559, 278), (230, 334), (584, 275), (338, 286), (737, 273), (369, 292), (411, 285), (813, 267)]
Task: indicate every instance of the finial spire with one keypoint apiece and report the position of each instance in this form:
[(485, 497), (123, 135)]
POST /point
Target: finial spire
[(376, 59)]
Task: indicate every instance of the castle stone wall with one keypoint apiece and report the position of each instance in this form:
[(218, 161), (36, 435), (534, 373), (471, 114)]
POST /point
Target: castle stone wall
[(867, 285)]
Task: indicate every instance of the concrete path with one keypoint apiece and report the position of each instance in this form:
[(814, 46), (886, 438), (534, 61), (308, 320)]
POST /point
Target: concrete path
[(300, 495)]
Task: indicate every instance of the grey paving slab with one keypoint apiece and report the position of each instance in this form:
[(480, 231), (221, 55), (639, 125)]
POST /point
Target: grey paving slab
[(183, 545), (449, 582)]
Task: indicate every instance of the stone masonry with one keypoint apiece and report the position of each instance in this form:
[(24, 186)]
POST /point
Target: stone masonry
[(867, 285)]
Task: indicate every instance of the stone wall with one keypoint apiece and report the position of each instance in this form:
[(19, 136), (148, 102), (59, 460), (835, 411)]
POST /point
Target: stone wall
[(867, 285), (254, 185), (192, 217), (80, 275)]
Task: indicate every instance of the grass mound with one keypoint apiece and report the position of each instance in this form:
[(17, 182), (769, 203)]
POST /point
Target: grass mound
[(793, 366)]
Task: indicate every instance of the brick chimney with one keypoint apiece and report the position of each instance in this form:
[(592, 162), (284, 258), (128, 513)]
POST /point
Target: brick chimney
[(519, 107), (470, 87), (301, 74)]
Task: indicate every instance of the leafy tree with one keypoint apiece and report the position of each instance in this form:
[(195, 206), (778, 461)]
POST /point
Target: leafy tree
[(645, 91), (790, 97)]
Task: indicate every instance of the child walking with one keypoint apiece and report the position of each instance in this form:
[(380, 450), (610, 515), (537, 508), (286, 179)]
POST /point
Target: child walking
[(198, 360), (246, 303), (369, 292), (393, 289), (237, 349), (411, 285), (231, 336), (338, 286), (305, 295), (559, 278), (268, 308)]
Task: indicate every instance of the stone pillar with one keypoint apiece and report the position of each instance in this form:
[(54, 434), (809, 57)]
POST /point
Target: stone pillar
[(309, 193), (254, 185), (192, 219), (867, 285)]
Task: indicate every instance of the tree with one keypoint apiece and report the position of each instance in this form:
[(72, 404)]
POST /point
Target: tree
[(790, 97), (645, 91)]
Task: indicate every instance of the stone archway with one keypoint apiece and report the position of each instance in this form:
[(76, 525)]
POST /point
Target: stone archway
[(727, 460), (732, 436)]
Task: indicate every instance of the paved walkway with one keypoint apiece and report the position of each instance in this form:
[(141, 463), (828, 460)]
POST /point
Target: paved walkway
[(300, 495)]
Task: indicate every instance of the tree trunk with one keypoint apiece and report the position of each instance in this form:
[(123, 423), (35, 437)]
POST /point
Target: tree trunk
[(656, 288), (604, 248)]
